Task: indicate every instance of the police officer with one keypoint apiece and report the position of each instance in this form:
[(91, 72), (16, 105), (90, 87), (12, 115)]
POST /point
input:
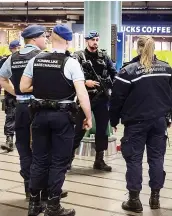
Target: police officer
[(35, 40), (53, 126), (141, 98), (10, 102), (14, 46), (101, 63)]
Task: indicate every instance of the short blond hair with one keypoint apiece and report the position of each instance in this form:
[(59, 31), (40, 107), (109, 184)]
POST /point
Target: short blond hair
[(27, 40), (57, 38), (146, 47)]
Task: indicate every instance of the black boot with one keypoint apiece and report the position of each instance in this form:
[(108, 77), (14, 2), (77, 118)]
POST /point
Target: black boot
[(44, 194), (154, 199), (8, 146), (100, 164), (35, 207), (69, 166), (133, 204), (55, 209), (44, 197)]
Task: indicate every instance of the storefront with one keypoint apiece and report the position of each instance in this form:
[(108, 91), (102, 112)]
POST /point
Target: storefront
[(6, 36), (161, 34)]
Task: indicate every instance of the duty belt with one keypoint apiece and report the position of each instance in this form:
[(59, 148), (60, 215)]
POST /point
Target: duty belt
[(53, 105), (23, 101)]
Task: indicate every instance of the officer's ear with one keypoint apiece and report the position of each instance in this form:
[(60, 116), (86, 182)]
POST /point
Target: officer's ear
[(68, 44)]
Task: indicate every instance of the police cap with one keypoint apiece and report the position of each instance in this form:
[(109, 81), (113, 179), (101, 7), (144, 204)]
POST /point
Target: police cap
[(33, 31), (63, 31), (91, 35), (14, 44)]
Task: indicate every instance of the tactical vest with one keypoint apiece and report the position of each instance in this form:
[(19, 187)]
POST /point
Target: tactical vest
[(49, 81), (98, 59), (18, 64)]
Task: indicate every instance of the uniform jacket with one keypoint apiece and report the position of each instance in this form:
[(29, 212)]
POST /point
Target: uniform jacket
[(140, 96)]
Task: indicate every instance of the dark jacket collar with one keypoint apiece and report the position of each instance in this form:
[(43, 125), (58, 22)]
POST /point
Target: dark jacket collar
[(137, 58)]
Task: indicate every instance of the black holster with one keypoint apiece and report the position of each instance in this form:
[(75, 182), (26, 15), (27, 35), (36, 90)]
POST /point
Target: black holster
[(73, 112), (33, 109)]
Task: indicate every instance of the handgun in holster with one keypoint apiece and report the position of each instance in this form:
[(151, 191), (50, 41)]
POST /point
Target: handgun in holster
[(73, 110), (33, 109)]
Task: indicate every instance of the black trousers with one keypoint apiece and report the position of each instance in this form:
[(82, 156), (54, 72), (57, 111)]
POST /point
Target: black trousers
[(52, 135), (22, 129), (101, 115), (10, 107), (136, 136)]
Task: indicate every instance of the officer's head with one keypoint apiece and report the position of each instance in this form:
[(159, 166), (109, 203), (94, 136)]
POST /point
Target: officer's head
[(61, 36), (35, 35), (145, 48), (14, 46), (92, 40)]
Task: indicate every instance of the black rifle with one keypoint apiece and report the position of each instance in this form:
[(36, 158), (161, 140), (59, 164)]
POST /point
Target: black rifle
[(105, 81)]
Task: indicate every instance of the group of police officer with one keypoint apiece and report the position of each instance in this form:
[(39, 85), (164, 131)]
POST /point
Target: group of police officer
[(45, 85)]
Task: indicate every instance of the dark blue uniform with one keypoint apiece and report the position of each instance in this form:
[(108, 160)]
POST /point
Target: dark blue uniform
[(52, 128), (101, 63), (142, 100), (9, 126), (10, 104), (23, 119)]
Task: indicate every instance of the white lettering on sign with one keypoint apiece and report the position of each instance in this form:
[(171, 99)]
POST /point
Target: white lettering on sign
[(168, 30), (158, 29), (154, 29), (148, 29), (163, 30), (138, 29), (144, 29)]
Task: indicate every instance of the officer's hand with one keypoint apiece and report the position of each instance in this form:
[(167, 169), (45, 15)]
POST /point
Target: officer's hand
[(91, 83), (87, 124)]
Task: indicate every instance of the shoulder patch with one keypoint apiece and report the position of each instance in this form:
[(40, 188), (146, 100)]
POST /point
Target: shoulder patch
[(131, 68)]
